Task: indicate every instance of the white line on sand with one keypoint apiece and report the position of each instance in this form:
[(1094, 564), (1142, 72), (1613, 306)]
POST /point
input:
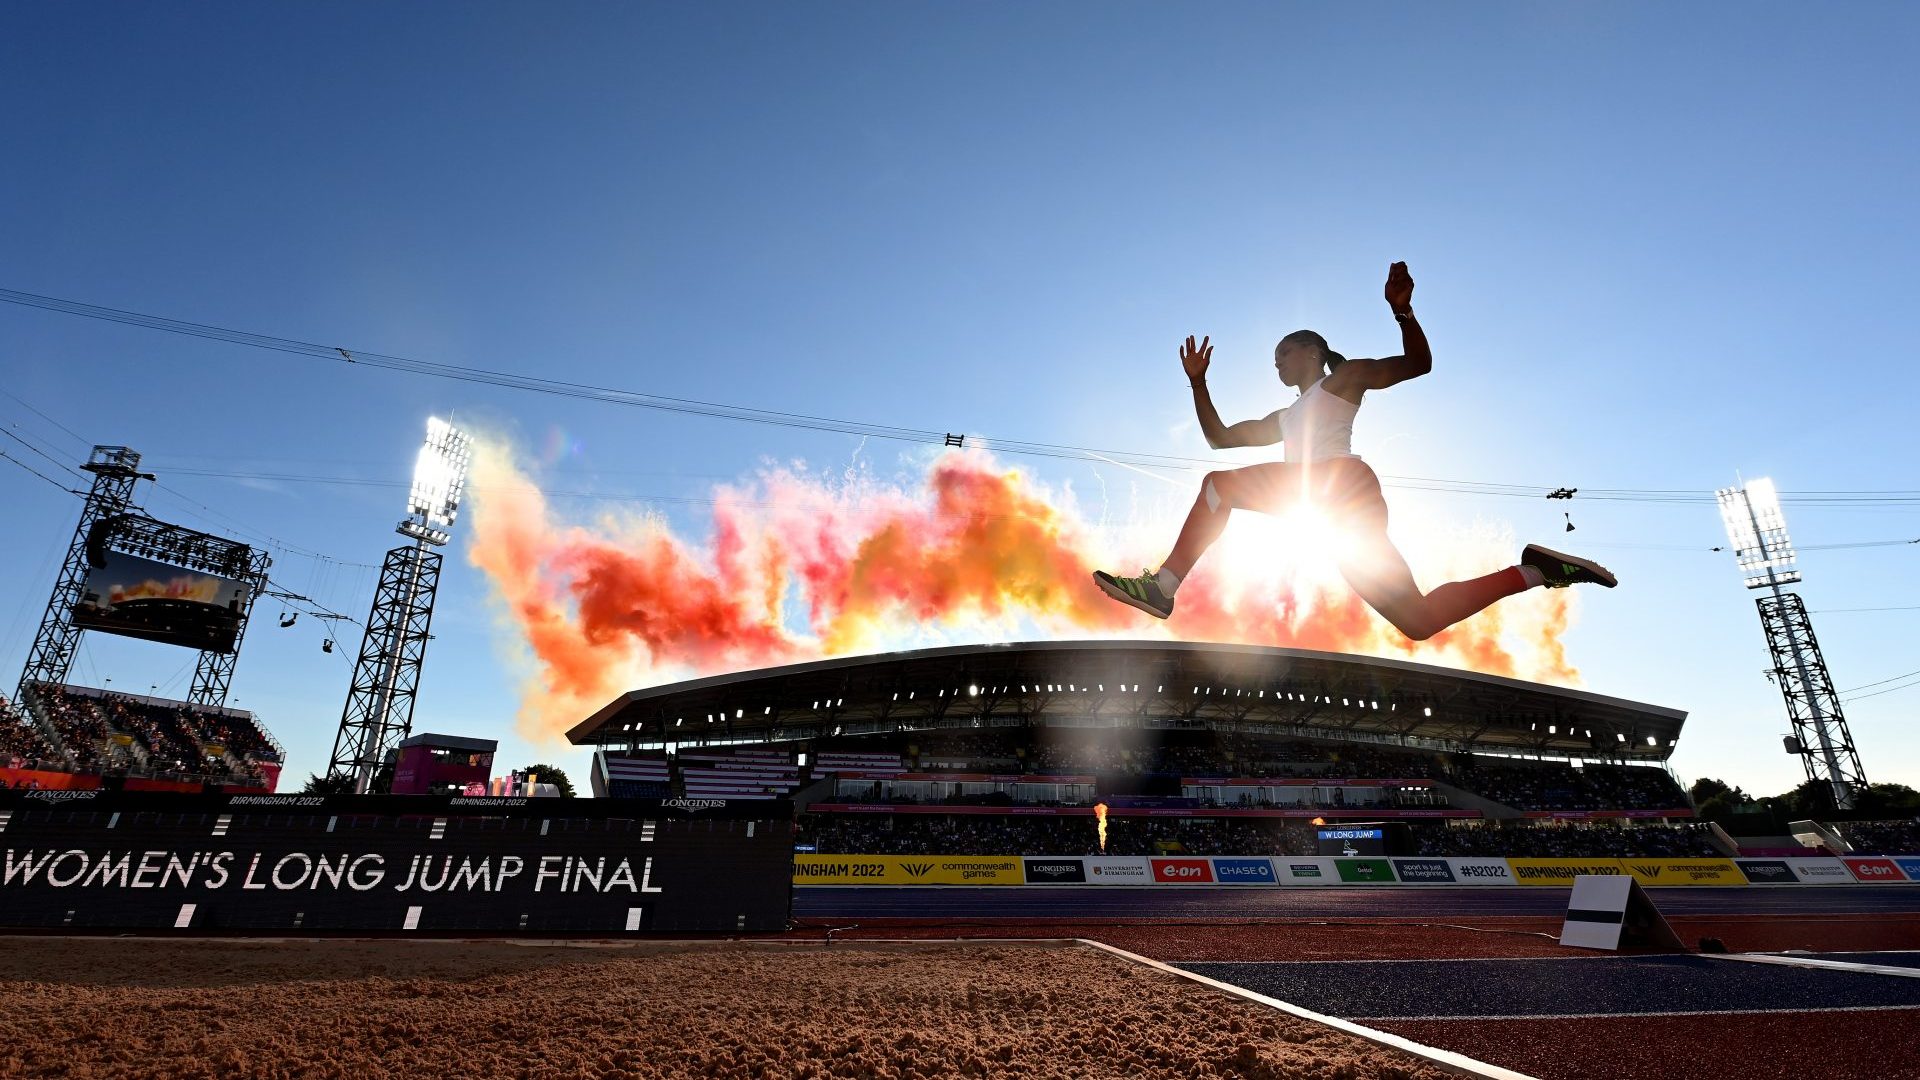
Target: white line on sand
[(1446, 1059)]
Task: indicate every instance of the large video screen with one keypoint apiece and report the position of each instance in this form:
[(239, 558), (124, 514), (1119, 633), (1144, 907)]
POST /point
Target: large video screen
[(175, 606)]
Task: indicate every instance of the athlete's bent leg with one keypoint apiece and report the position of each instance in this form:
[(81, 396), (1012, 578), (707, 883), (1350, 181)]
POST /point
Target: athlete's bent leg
[(1256, 487)]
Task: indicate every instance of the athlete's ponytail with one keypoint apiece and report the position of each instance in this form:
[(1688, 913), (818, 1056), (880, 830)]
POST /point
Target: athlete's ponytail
[(1328, 357)]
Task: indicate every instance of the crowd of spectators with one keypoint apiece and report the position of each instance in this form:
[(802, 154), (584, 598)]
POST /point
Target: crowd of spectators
[(1567, 840), (1881, 837), (23, 745), (1135, 752), (101, 732), (1541, 785), (1203, 753), (932, 834), (974, 834)]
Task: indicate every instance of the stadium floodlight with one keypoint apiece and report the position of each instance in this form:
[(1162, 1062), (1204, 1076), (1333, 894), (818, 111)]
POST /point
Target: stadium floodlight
[(386, 677), (440, 473), (1758, 532), (439, 479)]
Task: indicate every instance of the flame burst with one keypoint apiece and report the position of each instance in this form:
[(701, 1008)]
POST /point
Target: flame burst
[(797, 568), (1100, 820)]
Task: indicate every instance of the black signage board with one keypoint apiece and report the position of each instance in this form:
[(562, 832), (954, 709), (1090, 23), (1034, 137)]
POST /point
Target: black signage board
[(1055, 870), (417, 864)]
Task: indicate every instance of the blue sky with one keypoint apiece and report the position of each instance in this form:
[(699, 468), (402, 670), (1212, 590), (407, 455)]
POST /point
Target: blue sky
[(1656, 247)]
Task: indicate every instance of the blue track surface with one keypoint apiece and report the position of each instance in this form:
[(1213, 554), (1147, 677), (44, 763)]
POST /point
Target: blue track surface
[(1404, 989), (1097, 903)]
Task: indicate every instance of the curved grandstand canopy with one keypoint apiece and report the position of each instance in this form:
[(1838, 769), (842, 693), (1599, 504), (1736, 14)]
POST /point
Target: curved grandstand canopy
[(1139, 683)]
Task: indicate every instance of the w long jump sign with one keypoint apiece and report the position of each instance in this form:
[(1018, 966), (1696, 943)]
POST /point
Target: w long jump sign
[(123, 864)]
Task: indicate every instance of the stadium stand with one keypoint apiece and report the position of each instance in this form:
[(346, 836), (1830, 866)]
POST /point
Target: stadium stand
[(979, 835), (23, 745), (933, 834), (732, 773), (1221, 769), (1539, 785), (1568, 840), (870, 761), (631, 776), (1880, 837), (95, 731)]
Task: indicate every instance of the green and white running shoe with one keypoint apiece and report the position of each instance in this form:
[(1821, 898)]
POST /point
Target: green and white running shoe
[(1142, 592), (1562, 570)]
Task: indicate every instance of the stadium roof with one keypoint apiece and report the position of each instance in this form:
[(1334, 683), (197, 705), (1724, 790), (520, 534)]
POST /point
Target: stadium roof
[(1131, 683)]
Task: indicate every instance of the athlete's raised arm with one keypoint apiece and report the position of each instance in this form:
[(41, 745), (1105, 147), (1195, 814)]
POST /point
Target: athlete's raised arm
[(1416, 357), (1262, 432)]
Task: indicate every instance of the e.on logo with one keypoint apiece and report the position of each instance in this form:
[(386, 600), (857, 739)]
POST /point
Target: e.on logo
[(1182, 871), (1875, 870)]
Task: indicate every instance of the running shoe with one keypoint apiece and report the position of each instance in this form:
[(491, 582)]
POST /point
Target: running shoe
[(1142, 592), (1562, 570)]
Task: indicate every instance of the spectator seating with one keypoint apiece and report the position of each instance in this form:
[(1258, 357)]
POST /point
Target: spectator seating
[(1567, 840), (871, 762), (934, 834), (97, 731), (730, 773), (631, 776), (1880, 837)]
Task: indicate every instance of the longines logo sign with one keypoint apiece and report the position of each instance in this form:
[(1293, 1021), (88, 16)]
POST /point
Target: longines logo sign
[(695, 804)]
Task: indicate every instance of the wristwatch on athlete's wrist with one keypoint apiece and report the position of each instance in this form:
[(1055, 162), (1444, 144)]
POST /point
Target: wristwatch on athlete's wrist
[(1403, 316)]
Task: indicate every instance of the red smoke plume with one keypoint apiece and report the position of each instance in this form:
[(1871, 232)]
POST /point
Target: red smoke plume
[(976, 553)]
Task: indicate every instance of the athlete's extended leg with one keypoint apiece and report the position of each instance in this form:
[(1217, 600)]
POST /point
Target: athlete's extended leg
[(1376, 570), (1257, 487)]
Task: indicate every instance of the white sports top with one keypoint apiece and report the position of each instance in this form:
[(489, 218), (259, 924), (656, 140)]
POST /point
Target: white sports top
[(1318, 426)]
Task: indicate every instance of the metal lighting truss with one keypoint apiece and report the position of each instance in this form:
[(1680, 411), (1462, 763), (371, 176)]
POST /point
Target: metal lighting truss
[(115, 470), (108, 521), (386, 676), (1758, 533)]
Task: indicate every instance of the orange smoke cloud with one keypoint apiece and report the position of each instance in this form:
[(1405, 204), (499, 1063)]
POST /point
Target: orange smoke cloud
[(973, 552)]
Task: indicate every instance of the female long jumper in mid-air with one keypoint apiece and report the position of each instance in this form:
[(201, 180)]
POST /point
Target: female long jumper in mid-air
[(1322, 469)]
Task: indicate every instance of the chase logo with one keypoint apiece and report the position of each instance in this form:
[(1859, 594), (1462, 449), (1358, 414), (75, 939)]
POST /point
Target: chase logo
[(1243, 870), (916, 869)]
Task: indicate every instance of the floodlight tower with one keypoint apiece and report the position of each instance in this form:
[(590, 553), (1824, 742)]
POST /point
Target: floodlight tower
[(1758, 532), (379, 711), (116, 470)]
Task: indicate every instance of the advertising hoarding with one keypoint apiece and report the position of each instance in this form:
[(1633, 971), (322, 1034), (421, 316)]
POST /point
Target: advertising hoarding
[(269, 863)]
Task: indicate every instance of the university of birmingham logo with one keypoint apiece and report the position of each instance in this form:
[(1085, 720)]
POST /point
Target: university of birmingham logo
[(916, 869)]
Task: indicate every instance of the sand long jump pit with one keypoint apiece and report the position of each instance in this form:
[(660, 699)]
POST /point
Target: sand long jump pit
[(141, 1007)]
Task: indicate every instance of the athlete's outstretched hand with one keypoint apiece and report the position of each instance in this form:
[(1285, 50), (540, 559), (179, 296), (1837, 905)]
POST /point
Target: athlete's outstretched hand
[(1399, 287), (1195, 358)]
